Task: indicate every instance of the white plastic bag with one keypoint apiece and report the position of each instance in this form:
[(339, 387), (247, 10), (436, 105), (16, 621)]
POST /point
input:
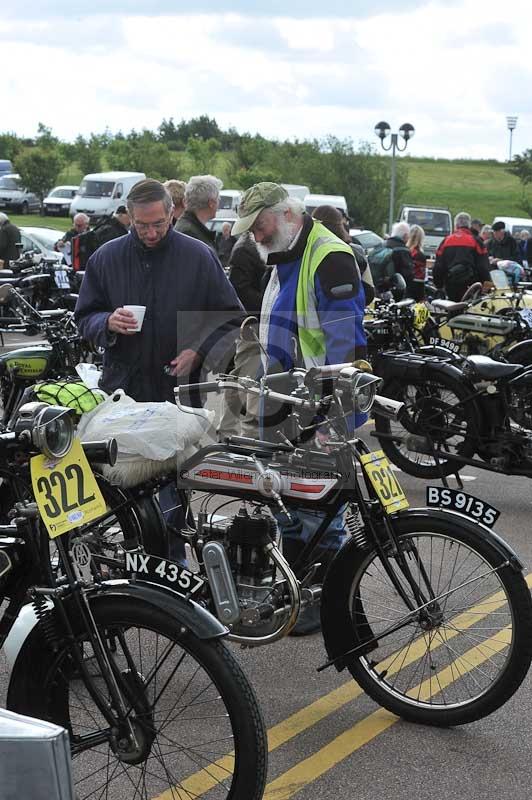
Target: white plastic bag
[(152, 437), (90, 374)]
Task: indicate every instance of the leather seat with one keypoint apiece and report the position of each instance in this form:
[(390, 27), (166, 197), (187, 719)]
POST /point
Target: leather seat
[(487, 368), (448, 306)]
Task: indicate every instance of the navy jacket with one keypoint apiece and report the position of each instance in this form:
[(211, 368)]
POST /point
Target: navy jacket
[(189, 304)]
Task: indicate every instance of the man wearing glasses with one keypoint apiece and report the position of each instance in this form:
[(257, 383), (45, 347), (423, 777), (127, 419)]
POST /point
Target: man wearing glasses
[(191, 309)]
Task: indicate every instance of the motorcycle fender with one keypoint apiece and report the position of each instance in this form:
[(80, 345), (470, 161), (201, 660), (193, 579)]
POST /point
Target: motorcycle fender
[(337, 629), (191, 615)]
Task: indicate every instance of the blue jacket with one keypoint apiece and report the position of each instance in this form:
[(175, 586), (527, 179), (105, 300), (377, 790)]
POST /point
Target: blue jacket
[(189, 304)]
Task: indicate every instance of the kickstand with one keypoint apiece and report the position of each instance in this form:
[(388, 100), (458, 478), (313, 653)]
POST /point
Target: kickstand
[(458, 480)]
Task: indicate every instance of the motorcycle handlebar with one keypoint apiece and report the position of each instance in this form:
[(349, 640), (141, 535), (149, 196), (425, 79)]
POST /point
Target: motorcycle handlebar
[(104, 452), (203, 388)]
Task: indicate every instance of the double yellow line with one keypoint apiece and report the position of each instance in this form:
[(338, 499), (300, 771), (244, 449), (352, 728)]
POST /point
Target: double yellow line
[(310, 769)]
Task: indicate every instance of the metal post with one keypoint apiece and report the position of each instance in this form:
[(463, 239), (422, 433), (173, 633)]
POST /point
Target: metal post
[(392, 185), (510, 153), (511, 123)]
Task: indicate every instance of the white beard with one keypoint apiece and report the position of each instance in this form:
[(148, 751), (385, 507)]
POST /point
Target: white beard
[(281, 240)]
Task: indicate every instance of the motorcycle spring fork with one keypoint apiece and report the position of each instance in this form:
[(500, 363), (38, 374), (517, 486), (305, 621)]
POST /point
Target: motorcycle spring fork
[(356, 528), (46, 620)]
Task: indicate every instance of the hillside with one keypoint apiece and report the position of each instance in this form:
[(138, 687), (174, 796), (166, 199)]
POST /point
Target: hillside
[(483, 188)]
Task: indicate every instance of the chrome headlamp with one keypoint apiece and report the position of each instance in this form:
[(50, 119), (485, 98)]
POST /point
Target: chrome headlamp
[(359, 386), (49, 428)]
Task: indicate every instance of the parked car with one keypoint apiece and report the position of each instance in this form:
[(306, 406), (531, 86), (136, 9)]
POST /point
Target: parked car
[(6, 167), (15, 197), (367, 239), (436, 222), (41, 240), (216, 224), (57, 203), (228, 202)]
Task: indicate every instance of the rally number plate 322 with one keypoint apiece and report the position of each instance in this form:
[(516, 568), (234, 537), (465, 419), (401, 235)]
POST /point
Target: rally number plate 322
[(377, 468)]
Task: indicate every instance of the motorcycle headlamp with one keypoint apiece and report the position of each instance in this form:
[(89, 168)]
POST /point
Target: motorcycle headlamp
[(49, 428), (360, 386)]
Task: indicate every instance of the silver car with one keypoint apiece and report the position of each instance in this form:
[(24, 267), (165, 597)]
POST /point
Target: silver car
[(15, 197)]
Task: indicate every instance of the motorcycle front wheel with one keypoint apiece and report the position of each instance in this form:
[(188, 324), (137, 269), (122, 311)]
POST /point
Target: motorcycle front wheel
[(436, 409), (463, 653), (197, 723)]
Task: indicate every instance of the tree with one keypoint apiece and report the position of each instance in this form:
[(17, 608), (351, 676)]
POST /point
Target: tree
[(39, 167), (10, 145), (203, 154), (521, 167), (89, 154)]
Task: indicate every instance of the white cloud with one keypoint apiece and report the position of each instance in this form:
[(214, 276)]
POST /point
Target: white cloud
[(453, 73)]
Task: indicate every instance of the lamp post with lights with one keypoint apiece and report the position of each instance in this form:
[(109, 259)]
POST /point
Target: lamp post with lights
[(406, 132), (511, 122)]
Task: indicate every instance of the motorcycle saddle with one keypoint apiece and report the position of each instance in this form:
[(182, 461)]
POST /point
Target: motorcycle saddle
[(448, 306), (487, 368)]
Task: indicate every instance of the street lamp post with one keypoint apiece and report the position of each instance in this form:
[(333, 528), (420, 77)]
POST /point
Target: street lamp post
[(406, 131), (512, 124)]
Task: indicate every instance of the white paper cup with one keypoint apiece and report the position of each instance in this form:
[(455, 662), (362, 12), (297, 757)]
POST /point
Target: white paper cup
[(138, 312)]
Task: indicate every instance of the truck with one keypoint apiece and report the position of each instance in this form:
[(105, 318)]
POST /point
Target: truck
[(436, 222), (100, 193)]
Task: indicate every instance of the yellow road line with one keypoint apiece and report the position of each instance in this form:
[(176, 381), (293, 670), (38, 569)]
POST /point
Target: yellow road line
[(202, 781), (310, 769)]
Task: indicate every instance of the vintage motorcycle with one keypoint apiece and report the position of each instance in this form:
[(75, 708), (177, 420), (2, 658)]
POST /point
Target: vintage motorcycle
[(455, 410), (153, 702), (405, 583)]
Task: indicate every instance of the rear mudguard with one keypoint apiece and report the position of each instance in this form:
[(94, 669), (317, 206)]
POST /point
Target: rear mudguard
[(338, 633), (440, 352), (196, 619), (520, 353)]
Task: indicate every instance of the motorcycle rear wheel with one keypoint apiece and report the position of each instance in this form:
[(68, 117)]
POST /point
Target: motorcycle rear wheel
[(436, 409), (460, 658)]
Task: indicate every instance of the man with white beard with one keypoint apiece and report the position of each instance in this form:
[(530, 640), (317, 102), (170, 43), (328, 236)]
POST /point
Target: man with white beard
[(311, 315)]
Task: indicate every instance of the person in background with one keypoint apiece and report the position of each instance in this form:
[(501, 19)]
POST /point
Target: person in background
[(9, 238), (240, 412), (476, 226), (503, 246), (461, 260), (335, 221), (486, 233), (111, 228), (524, 243), (224, 244), (201, 204), (80, 224), (414, 243), (177, 193)]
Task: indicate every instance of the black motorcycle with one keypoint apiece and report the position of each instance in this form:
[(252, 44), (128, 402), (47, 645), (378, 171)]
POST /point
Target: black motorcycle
[(154, 703), (475, 411), (427, 609)]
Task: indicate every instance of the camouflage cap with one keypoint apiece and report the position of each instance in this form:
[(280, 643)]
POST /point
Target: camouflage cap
[(254, 200)]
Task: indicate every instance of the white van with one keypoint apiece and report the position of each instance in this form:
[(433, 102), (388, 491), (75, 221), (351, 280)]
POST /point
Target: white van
[(436, 222), (312, 201), (228, 202), (100, 193), (515, 225), (296, 190)]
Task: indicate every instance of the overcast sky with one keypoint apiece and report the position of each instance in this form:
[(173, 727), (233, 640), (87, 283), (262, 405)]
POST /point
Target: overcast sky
[(453, 68)]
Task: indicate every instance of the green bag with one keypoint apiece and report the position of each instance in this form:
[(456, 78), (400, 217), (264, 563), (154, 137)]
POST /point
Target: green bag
[(71, 394)]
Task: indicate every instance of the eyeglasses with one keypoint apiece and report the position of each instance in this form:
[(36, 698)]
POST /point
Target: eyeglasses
[(144, 227)]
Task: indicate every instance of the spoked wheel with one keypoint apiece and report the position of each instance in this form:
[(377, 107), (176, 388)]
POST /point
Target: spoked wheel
[(198, 728), (462, 651), (436, 409)]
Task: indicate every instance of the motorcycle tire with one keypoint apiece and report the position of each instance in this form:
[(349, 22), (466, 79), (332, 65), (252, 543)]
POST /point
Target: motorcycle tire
[(198, 724), (462, 656), (436, 409)]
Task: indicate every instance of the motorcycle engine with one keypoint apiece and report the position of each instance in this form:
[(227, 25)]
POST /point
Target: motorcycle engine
[(520, 406)]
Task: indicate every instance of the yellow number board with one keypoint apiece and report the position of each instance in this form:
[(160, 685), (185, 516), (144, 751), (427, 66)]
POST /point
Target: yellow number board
[(66, 491), (389, 492)]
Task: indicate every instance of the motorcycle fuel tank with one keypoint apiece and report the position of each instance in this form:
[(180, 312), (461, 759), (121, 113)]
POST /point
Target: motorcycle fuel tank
[(488, 324), (29, 362), (225, 472)]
